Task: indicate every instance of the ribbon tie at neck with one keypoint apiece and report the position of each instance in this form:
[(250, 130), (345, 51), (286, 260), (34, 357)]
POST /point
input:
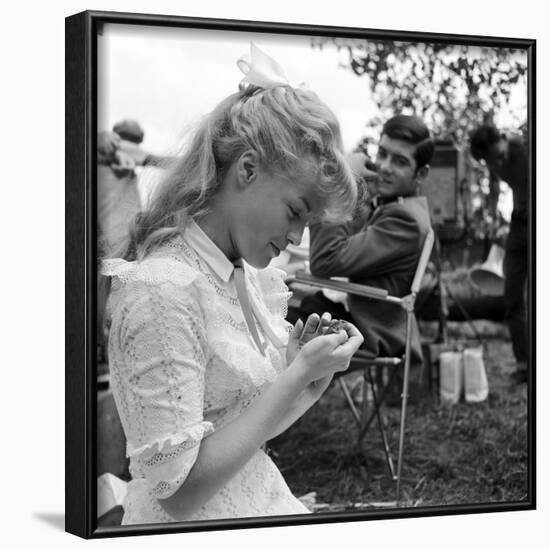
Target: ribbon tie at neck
[(242, 295), (251, 312)]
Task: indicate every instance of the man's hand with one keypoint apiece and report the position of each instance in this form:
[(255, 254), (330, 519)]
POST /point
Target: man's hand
[(107, 144), (124, 164)]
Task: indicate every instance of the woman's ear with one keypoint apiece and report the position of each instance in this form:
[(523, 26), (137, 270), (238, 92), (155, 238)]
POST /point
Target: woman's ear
[(247, 168)]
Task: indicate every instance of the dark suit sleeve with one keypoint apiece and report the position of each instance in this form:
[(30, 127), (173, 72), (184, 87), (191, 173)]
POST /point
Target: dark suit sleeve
[(336, 252)]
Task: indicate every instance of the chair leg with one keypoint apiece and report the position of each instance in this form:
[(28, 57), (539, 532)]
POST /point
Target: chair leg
[(349, 399), (377, 401), (404, 404), (380, 419)]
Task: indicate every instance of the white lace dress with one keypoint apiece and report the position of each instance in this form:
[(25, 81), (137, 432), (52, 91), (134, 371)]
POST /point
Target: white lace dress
[(182, 365)]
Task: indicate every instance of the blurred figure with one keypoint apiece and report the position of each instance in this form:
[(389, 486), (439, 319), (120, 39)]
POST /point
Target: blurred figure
[(506, 158), (117, 192), (131, 136), (118, 202)]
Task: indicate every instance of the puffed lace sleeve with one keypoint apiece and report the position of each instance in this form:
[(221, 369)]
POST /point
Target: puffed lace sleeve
[(275, 295), (157, 354)]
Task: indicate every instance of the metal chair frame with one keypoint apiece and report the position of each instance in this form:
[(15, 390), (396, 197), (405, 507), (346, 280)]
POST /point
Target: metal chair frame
[(407, 303)]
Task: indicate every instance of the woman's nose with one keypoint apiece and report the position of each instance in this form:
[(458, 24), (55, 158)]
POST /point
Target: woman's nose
[(294, 237)]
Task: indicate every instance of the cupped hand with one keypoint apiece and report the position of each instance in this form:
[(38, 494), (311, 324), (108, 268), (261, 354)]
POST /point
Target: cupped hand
[(304, 332), (327, 354)]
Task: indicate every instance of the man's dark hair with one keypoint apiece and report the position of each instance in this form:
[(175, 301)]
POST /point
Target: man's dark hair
[(412, 130), (482, 139)]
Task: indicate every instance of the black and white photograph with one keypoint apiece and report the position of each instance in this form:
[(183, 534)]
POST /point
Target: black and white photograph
[(309, 286)]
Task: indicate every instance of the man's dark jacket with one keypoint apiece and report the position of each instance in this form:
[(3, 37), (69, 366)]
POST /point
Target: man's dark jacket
[(383, 253)]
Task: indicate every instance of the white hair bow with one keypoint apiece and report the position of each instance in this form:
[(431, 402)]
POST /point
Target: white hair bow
[(261, 70)]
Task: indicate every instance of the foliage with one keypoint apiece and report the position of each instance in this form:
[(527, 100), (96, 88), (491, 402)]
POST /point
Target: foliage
[(452, 87)]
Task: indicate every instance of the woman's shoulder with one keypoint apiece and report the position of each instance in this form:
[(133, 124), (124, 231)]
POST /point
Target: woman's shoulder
[(153, 270), (139, 287)]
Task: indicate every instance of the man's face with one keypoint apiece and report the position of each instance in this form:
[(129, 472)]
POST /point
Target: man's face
[(397, 168)]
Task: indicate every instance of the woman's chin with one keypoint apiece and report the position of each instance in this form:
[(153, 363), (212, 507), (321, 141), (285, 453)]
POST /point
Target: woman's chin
[(259, 262), (262, 264)]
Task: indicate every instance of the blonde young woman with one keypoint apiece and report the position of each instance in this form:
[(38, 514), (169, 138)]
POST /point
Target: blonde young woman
[(204, 367)]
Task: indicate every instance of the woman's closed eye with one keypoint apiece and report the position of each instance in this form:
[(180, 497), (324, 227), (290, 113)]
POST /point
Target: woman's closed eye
[(294, 213)]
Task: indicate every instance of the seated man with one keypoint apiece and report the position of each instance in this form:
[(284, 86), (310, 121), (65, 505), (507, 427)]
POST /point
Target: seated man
[(382, 248)]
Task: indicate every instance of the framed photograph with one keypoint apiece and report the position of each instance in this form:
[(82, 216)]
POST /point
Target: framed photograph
[(227, 183)]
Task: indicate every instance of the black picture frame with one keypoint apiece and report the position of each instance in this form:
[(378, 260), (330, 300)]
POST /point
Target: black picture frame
[(81, 269)]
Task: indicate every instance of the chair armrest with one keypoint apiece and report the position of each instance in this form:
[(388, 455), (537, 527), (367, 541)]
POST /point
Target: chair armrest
[(423, 261), (342, 286)]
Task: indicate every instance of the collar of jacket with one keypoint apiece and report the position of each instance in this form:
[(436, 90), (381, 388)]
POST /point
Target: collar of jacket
[(381, 201)]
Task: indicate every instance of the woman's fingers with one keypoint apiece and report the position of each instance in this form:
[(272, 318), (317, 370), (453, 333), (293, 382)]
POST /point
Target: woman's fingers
[(347, 341), (297, 329), (310, 328), (336, 339), (324, 323), (352, 330), (349, 347)]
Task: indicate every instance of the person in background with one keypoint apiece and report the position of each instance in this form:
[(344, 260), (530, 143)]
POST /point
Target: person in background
[(118, 198), (132, 135), (118, 202), (506, 157)]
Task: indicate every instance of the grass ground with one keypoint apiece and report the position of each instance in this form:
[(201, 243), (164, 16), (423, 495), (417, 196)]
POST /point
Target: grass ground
[(466, 453)]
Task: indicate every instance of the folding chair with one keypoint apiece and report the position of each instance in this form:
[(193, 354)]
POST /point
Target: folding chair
[(361, 360)]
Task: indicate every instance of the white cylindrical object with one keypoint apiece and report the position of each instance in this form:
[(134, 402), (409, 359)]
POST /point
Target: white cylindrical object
[(476, 386), (451, 376), (489, 276)]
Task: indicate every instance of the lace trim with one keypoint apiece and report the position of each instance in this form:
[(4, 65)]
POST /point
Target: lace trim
[(193, 434), (165, 489), (160, 458), (153, 270)]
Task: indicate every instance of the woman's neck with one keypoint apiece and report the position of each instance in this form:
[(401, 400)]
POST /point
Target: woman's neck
[(215, 226)]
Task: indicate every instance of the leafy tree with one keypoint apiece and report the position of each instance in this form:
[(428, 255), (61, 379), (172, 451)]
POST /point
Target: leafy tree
[(452, 87)]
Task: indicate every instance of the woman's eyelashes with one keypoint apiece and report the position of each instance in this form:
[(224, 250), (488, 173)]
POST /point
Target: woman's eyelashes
[(295, 213)]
